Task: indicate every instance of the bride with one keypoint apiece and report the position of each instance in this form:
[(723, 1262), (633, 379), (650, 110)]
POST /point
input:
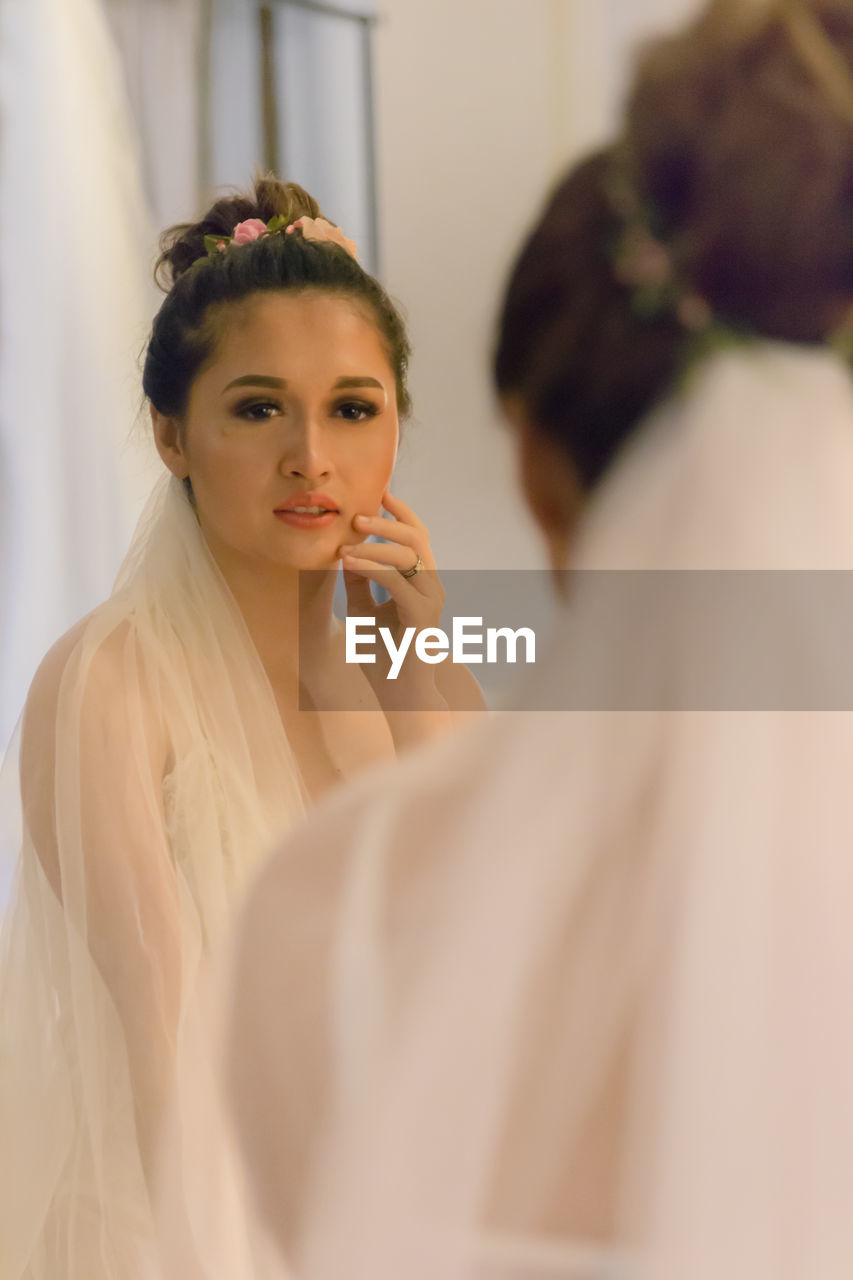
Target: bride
[(170, 736), (577, 986)]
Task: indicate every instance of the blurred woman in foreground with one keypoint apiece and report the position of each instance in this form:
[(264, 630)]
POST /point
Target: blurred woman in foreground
[(572, 993)]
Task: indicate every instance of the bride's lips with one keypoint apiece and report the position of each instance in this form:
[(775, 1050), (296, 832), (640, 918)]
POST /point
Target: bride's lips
[(290, 514)]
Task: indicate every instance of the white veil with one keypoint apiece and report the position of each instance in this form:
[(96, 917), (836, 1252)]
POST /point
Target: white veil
[(155, 773), (585, 977)]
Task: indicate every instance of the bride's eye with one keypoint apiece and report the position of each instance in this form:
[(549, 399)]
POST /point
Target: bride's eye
[(257, 410), (356, 410)]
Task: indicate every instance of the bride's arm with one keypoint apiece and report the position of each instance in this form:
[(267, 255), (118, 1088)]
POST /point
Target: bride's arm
[(448, 696), (461, 690), (91, 770)]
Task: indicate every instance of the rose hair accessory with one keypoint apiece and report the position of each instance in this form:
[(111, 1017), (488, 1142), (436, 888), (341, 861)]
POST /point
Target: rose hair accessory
[(317, 229), (646, 266)]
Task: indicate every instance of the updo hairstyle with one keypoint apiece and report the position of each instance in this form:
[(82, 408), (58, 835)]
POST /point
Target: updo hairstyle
[(201, 288), (738, 141)]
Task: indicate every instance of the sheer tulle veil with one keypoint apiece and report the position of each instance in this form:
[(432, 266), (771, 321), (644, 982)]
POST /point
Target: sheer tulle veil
[(590, 972), (155, 773)]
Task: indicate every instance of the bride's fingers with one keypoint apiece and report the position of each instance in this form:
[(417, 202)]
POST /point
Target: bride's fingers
[(393, 530), (400, 589), (360, 602), (402, 511), (388, 553), (396, 531)]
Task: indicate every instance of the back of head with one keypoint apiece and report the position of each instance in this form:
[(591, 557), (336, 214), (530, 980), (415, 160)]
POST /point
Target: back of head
[(737, 154), (740, 136)]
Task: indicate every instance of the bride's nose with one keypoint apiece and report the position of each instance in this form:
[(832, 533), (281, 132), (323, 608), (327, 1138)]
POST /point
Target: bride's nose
[(305, 454)]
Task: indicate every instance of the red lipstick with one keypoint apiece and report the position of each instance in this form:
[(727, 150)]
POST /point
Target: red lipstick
[(308, 511)]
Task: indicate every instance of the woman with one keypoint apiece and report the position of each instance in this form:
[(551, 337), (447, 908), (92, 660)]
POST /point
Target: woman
[(579, 985), (164, 742)]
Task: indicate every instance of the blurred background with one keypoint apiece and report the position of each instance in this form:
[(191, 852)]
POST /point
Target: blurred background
[(431, 130)]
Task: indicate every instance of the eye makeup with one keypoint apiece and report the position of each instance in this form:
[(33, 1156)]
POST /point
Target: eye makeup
[(356, 410), (252, 410)]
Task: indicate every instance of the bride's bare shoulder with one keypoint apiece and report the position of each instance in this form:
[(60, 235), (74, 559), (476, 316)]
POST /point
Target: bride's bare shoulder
[(94, 683), (95, 646), (78, 717)]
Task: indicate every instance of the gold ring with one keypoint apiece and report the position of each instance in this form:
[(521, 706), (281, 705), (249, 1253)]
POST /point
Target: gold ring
[(416, 568)]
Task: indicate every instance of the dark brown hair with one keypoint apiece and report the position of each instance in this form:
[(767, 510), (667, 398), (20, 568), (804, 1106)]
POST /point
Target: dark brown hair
[(739, 141), (202, 288)]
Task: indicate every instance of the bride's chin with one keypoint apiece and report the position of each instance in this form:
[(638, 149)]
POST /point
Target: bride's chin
[(313, 564)]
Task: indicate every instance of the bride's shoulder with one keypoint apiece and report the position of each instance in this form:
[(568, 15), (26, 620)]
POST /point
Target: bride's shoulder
[(87, 665)]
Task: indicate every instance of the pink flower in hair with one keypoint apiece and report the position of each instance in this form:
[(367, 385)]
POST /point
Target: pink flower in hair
[(245, 232), (643, 261)]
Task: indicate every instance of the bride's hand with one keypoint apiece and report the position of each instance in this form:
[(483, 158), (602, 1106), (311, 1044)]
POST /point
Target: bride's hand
[(416, 601)]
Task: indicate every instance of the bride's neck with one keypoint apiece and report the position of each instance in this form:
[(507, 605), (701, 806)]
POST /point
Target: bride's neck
[(282, 608)]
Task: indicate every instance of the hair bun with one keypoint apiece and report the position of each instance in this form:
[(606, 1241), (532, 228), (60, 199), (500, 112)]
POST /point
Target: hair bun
[(183, 244), (741, 143)]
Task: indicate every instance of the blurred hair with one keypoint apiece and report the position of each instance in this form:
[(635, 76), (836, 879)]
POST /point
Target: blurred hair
[(739, 140), (203, 288)]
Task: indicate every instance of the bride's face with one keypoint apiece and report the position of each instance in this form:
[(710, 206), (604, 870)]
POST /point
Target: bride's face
[(297, 408)]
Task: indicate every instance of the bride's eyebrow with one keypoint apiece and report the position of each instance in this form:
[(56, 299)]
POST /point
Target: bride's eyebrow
[(359, 382), (257, 380), (264, 380)]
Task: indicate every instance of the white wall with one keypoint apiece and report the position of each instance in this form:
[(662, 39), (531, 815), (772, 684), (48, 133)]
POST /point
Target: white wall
[(481, 104), (465, 151)]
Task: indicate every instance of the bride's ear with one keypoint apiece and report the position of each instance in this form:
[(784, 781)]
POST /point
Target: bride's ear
[(168, 438), (549, 482)]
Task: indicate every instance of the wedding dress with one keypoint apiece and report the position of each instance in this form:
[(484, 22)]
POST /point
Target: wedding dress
[(155, 773), (575, 987)]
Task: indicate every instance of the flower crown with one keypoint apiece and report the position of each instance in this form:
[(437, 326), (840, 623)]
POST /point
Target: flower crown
[(648, 268), (245, 233)]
